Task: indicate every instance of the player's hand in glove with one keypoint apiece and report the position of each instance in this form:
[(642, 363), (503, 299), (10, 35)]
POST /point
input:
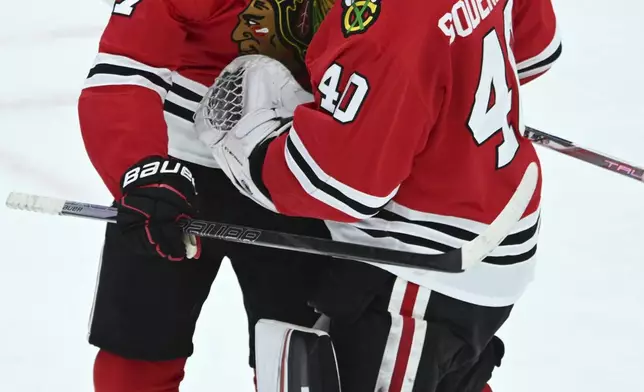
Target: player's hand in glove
[(251, 103), (156, 193)]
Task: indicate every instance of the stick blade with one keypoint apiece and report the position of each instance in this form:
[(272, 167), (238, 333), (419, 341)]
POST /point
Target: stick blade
[(479, 248)]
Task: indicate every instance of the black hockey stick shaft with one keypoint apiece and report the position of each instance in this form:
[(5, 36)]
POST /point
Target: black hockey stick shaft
[(454, 261), (321, 246), (448, 262), (593, 157)]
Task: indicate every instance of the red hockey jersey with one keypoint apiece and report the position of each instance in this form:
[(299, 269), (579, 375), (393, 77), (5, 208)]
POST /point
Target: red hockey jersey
[(415, 136), (156, 60)]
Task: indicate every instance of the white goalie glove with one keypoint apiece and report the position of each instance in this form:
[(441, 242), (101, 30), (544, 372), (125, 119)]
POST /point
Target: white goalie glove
[(251, 102)]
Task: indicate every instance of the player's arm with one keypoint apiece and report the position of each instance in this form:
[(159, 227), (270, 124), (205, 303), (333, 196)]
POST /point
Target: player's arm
[(347, 153), (537, 44), (121, 117), (121, 106)]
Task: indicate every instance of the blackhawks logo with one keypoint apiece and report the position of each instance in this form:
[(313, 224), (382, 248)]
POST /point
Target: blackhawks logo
[(359, 15), (280, 29)]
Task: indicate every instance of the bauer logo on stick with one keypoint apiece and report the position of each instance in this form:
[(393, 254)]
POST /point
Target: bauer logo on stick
[(359, 15), (70, 207), (220, 230)]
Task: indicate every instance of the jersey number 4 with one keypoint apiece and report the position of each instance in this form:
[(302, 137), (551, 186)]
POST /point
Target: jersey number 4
[(125, 7), (485, 120)]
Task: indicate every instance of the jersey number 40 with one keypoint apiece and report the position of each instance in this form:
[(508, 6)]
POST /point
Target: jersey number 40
[(344, 108), (485, 121)]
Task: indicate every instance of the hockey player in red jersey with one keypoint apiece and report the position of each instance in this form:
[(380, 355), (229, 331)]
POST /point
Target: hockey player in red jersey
[(156, 60), (413, 141)]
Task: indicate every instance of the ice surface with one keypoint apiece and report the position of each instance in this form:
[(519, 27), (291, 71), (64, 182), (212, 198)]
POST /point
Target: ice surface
[(579, 327)]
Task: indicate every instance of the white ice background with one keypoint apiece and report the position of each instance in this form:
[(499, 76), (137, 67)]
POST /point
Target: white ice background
[(580, 327)]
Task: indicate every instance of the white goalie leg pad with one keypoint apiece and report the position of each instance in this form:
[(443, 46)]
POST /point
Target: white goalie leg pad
[(291, 358)]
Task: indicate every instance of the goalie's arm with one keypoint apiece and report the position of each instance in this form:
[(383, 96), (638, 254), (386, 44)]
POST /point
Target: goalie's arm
[(347, 153)]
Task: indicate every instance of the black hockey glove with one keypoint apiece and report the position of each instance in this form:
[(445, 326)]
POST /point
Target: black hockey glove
[(157, 193)]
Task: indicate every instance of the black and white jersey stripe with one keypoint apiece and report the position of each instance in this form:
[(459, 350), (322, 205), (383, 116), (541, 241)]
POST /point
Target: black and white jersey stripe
[(180, 96), (179, 109), (543, 61), (111, 70), (499, 281), (323, 187), (183, 98), (434, 233)]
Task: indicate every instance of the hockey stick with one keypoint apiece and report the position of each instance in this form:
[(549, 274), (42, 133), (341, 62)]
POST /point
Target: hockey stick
[(454, 261), (596, 158)]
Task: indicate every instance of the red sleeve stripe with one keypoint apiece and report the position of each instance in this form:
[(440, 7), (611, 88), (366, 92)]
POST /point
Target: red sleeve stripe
[(543, 61), (327, 189), (113, 70)]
